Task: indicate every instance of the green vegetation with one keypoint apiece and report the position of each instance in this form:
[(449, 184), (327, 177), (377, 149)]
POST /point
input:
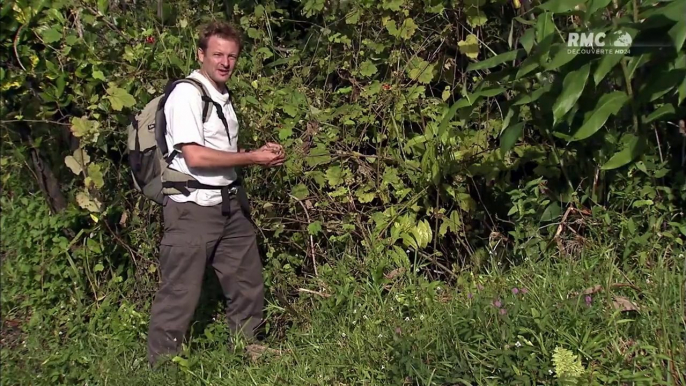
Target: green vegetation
[(437, 149)]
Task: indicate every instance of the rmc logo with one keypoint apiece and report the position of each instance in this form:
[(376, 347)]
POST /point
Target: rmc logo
[(599, 43)]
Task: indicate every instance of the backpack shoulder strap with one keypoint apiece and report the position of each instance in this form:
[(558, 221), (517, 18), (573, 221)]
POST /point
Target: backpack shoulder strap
[(161, 119), (204, 95), (207, 100)]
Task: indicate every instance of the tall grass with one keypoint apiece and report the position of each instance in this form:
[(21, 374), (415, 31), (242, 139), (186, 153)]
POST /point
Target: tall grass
[(520, 326)]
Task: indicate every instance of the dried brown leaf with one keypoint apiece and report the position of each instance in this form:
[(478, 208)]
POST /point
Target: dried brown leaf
[(592, 290), (255, 351), (124, 217), (624, 304), (394, 273)]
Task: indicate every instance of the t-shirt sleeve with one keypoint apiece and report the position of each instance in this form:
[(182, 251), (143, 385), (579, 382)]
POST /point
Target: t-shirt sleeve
[(183, 112)]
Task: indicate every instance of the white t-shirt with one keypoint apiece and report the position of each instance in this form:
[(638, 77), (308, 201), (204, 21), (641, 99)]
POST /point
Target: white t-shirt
[(183, 111)]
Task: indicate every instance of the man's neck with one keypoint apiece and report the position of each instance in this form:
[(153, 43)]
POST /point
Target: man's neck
[(221, 87)]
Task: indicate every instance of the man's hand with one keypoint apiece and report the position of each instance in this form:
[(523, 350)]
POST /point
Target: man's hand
[(268, 157), (274, 147)]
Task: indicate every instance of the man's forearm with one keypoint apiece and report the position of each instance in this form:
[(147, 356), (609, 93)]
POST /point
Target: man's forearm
[(203, 157)]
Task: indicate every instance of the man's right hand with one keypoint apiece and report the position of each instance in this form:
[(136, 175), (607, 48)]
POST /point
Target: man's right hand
[(267, 157)]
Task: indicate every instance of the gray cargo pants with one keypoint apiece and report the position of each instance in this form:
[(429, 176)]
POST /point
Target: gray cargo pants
[(193, 237)]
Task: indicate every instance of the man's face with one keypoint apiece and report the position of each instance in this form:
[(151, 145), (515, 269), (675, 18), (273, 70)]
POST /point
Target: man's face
[(219, 60)]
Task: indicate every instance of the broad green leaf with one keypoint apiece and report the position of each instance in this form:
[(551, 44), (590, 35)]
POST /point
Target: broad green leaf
[(533, 96), (422, 233), (87, 202), (678, 34), (367, 68), (605, 66), (97, 74), (314, 228), (469, 46), (631, 149), (596, 5), (334, 175), (84, 128), (450, 114), (393, 5), (551, 213), (476, 17), (608, 104), (450, 223), (510, 136), (95, 176), (51, 35), (635, 63), (682, 91), (319, 155), (290, 110), (496, 60), (446, 93), (673, 10), (103, 6), (544, 26), (525, 21), (78, 160), (420, 70), (561, 57), (660, 85), (353, 17), (487, 93), (266, 52), (392, 28), (572, 87), (408, 28), (120, 98), (300, 191), (527, 39), (513, 112), (559, 6), (390, 177), (73, 164), (533, 62), (665, 110), (285, 133), (365, 196), (81, 156)]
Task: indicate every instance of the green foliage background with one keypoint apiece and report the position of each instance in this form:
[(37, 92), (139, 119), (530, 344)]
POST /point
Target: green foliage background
[(437, 137)]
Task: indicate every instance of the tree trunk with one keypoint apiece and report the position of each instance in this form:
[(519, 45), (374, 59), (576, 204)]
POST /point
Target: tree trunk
[(48, 183)]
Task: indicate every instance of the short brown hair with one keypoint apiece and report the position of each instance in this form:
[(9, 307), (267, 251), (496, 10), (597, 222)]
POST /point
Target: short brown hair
[(221, 29)]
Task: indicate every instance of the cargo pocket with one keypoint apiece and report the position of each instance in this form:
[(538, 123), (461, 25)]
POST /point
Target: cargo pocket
[(182, 261)]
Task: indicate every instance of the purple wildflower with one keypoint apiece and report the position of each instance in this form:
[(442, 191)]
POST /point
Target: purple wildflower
[(515, 290), (589, 299), (503, 311), (470, 295), (498, 303), (525, 291)]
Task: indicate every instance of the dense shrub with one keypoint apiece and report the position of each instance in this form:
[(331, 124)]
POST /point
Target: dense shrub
[(436, 137)]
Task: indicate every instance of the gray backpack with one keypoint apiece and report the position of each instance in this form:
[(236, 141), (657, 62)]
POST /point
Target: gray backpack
[(149, 156)]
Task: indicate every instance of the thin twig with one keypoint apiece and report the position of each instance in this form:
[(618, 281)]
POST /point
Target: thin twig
[(307, 214), (314, 292), (659, 146), (123, 244), (34, 121), (16, 41)]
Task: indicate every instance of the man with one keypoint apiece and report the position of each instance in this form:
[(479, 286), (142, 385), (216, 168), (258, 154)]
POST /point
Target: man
[(201, 227)]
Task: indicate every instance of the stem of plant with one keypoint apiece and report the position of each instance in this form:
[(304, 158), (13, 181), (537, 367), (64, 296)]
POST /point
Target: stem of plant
[(630, 92)]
